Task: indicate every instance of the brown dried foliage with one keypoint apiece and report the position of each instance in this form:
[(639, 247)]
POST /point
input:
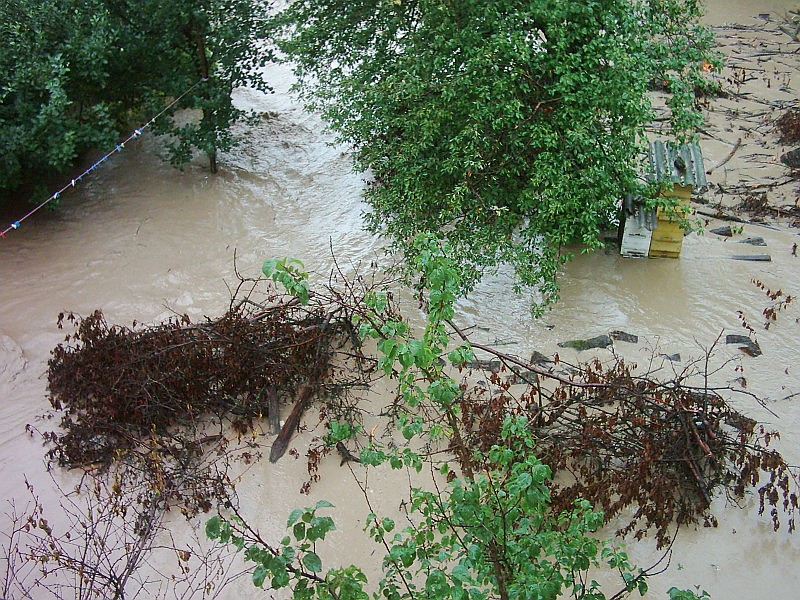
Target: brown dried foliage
[(778, 302), (119, 386), (758, 205), (788, 125), (653, 453), (173, 405)]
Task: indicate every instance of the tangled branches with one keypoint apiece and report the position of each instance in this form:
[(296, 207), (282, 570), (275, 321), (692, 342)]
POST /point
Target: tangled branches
[(662, 449), (102, 542), (119, 386), (156, 416), (162, 399)]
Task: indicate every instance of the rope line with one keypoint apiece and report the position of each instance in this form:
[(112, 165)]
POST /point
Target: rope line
[(118, 148)]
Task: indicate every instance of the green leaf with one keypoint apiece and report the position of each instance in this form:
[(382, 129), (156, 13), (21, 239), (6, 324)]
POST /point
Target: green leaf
[(293, 516), (270, 266), (280, 579), (259, 575), (213, 527), (312, 562)]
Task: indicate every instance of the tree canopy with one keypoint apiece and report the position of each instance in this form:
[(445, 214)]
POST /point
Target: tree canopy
[(77, 73), (509, 127)]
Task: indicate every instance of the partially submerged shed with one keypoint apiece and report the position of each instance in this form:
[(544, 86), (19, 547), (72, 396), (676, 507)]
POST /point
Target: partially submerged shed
[(659, 234), (683, 166)]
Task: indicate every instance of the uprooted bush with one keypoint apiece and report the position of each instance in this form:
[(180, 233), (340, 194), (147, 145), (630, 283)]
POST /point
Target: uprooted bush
[(118, 385), (654, 452)]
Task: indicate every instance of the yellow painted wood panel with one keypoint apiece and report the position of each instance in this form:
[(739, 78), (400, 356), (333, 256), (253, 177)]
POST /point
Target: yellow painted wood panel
[(667, 237)]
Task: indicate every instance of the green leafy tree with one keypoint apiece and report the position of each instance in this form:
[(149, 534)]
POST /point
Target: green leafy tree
[(218, 40), (509, 127), (486, 536), (77, 74), (52, 64)]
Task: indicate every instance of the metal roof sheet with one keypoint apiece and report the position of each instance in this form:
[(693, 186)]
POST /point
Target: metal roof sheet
[(679, 164)]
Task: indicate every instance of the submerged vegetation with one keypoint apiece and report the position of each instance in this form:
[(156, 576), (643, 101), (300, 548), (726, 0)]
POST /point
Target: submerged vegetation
[(527, 460)]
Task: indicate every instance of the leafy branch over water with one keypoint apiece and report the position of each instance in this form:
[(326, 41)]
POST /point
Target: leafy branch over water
[(156, 400)]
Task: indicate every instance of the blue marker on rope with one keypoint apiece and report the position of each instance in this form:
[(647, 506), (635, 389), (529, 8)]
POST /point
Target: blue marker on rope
[(15, 225)]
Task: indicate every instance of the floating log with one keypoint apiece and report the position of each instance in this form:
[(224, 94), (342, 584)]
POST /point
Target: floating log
[(753, 257), (748, 346), (600, 341), (274, 409), (723, 231), (727, 158), (753, 241), (281, 442), (622, 336)]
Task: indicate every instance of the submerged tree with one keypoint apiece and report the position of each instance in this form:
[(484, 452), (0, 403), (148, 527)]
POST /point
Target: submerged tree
[(511, 127), (77, 74)]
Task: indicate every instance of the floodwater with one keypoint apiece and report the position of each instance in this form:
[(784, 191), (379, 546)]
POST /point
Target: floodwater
[(141, 240)]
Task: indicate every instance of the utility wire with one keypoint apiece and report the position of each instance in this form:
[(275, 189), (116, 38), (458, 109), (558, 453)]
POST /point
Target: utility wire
[(118, 148)]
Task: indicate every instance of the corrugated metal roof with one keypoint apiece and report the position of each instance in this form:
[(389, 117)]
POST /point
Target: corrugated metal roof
[(679, 164)]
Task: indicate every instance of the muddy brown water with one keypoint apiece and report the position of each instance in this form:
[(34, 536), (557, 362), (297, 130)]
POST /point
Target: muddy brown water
[(141, 240)]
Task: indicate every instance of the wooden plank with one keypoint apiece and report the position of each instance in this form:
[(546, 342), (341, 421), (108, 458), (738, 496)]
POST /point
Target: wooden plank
[(281, 442)]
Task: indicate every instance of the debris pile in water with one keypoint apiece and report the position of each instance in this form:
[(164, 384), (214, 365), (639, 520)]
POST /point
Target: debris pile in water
[(119, 387), (789, 126), (654, 452)]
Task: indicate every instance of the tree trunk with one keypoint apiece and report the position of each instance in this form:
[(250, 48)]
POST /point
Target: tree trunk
[(204, 73)]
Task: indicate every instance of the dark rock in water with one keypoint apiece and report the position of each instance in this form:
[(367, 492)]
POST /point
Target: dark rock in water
[(753, 241), (537, 358), (733, 338), (528, 377), (673, 357), (486, 365), (723, 231), (753, 257), (792, 158), (601, 341), (621, 336), (748, 346)]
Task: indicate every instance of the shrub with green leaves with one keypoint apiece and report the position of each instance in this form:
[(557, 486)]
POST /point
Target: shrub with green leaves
[(489, 536), (78, 74), (490, 533)]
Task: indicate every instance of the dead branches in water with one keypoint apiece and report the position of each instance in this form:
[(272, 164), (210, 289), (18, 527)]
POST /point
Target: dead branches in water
[(117, 386), (167, 401), (653, 452), (156, 416)]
